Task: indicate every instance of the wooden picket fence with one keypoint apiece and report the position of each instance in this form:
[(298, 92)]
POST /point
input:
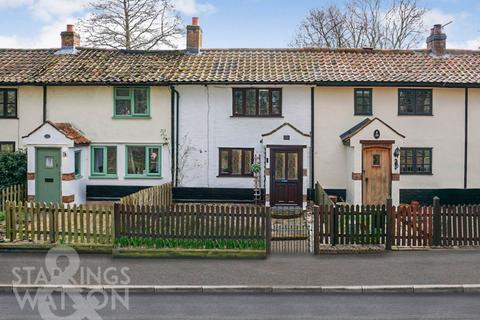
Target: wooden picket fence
[(402, 226), (460, 225), (190, 221), (50, 223), (344, 224), (412, 226), (12, 193), (160, 195)]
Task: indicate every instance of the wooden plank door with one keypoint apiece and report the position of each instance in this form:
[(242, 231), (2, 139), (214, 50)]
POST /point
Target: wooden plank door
[(286, 177), (377, 174)]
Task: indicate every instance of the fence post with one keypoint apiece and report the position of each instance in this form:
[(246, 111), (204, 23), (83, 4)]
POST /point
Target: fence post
[(51, 218), (334, 226), (437, 223), (389, 236), (316, 230), (268, 231), (116, 221)]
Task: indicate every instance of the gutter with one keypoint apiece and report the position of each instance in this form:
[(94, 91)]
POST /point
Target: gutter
[(44, 103), (465, 168), (312, 139), (172, 132)]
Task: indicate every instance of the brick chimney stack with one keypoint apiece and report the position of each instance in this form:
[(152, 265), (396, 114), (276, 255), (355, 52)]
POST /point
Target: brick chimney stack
[(194, 37), (70, 39), (437, 41)]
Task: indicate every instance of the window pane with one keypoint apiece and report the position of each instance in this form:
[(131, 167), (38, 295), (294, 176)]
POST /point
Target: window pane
[(248, 156), (78, 163), (276, 102), (122, 92), (11, 97), (238, 101), (112, 160), (122, 107), (224, 158), (140, 100), (11, 110), (7, 147), (407, 101), (2, 108), (98, 160), (236, 161), (136, 160), (279, 166), (153, 158), (424, 101), (263, 101), (251, 102), (292, 166)]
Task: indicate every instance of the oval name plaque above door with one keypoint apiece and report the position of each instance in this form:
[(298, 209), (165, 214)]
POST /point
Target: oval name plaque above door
[(376, 134)]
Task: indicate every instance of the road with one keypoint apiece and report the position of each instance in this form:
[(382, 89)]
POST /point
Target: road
[(278, 307), (391, 268)]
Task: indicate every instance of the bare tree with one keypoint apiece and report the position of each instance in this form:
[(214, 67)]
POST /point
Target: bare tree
[(131, 24), (395, 24)]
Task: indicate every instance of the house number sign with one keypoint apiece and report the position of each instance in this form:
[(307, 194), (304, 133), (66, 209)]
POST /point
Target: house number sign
[(376, 134)]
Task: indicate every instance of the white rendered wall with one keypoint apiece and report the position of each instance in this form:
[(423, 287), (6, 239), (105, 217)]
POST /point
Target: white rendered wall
[(29, 112), (206, 124), (444, 132)]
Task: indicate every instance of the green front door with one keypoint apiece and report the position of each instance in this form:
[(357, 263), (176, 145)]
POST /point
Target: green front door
[(47, 175)]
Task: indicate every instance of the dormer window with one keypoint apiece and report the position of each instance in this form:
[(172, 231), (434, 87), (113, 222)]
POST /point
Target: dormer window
[(257, 102)]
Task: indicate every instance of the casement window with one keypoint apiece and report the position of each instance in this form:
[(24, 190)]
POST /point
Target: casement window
[(415, 102), (416, 161), (7, 146), (143, 161), (8, 103), (104, 161), (363, 102), (235, 162), (256, 102), (131, 102), (78, 164)]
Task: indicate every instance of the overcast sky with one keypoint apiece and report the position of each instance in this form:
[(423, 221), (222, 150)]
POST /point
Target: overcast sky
[(226, 23)]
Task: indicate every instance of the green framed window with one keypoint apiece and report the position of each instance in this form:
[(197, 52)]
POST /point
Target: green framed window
[(363, 102), (416, 102), (131, 102), (78, 164), (143, 161), (416, 161), (104, 161)]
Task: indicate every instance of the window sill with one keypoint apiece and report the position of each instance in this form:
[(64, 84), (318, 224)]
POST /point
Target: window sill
[(263, 117), (104, 177), (78, 177), (9, 118), (131, 117), (233, 176), (142, 177), (363, 114), (415, 115), (416, 174)]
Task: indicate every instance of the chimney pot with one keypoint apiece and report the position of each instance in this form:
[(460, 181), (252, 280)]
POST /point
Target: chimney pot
[(70, 28), (194, 37), (437, 41)]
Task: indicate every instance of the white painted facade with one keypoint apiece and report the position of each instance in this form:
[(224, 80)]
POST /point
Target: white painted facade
[(207, 124), (90, 110), (29, 114), (443, 132)]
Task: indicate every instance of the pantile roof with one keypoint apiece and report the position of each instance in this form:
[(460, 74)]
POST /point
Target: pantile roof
[(282, 66)]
